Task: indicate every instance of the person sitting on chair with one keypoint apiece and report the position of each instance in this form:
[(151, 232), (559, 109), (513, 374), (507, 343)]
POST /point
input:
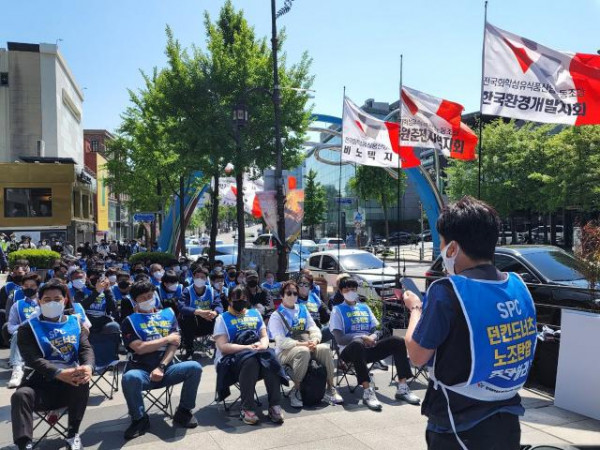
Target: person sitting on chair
[(354, 328), (152, 337), (219, 290), (170, 291), (20, 312), (243, 356), (317, 309), (337, 298), (57, 349), (297, 341), (99, 304), (270, 285), (120, 290), (199, 309)]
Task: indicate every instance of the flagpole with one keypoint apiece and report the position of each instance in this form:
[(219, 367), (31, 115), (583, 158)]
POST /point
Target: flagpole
[(399, 166), (480, 150), (340, 189)]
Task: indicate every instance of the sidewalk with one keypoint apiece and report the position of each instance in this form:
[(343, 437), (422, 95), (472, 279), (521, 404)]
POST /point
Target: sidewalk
[(350, 426)]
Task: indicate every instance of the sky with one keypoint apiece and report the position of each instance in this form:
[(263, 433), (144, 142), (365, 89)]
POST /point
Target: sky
[(356, 44)]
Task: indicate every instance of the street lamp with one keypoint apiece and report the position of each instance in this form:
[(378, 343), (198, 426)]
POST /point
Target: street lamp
[(240, 116), (240, 119)]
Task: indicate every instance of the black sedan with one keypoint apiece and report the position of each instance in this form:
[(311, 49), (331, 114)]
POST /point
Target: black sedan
[(554, 277)]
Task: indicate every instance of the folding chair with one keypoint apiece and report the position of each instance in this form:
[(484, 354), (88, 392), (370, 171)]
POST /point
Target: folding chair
[(52, 422), (227, 406), (346, 368), (161, 401), (106, 368), (202, 344)]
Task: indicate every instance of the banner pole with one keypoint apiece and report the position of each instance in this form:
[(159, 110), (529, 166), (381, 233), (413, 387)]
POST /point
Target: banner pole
[(480, 150), (340, 192), (398, 184)]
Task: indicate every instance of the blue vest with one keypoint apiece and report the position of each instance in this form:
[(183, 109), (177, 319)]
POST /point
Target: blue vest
[(58, 341), (167, 295), (297, 319), (10, 286), (235, 325), (79, 312), (154, 281), (18, 295), (502, 326), (201, 302), (274, 289), (86, 291), (216, 295), (152, 326), (356, 319), (312, 303), (117, 294), (98, 307), (26, 309)]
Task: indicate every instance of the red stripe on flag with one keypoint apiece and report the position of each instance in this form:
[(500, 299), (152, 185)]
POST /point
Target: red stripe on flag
[(412, 107), (467, 150), (292, 183), (524, 60), (234, 190), (407, 155), (256, 211), (585, 71), (451, 112)]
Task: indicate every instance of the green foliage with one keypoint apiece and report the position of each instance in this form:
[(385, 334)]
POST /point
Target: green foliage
[(161, 258), (315, 200), (373, 183), (40, 259)]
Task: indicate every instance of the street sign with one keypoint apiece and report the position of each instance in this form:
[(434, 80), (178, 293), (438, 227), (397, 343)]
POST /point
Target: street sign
[(344, 200), (143, 217), (358, 217)]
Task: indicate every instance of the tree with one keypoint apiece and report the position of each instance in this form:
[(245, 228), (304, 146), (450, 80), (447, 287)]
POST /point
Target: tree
[(315, 202), (374, 183)]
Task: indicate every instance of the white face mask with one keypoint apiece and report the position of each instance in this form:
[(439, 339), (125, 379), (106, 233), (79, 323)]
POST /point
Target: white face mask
[(172, 287), (146, 306), (159, 274), (112, 278), (351, 296), (199, 282), (79, 283), (449, 261), (218, 286), (52, 310)]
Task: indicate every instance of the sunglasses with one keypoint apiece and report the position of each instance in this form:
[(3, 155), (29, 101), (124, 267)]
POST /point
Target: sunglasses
[(291, 293)]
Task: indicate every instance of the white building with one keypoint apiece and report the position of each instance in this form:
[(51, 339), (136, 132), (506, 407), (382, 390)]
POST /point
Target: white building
[(40, 104)]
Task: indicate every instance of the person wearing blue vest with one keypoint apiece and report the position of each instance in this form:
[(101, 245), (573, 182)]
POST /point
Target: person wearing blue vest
[(230, 277), (21, 310), (128, 307), (243, 356), (354, 328), (156, 274), (13, 281), (170, 291), (57, 349), (152, 338), (120, 291), (199, 309), (297, 341), (317, 309), (271, 286), (219, 290), (477, 332), (99, 303)]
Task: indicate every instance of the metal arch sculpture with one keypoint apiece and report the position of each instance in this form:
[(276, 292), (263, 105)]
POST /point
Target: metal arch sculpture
[(428, 193)]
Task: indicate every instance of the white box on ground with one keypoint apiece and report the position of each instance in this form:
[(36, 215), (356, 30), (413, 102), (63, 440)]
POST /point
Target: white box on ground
[(579, 364)]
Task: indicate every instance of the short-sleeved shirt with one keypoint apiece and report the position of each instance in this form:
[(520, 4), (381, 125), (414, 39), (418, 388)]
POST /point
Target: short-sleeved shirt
[(276, 326), (221, 329), (148, 361), (336, 322), (443, 327)]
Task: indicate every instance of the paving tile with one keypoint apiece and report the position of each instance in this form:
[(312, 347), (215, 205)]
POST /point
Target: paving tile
[(337, 443), (584, 432), (409, 436), (538, 437), (540, 418)]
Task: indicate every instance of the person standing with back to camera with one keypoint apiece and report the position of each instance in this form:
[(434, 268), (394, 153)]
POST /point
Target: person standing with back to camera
[(477, 333)]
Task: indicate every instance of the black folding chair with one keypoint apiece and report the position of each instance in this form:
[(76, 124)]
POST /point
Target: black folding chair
[(106, 368), (228, 406), (344, 368), (202, 344), (51, 422), (160, 401)]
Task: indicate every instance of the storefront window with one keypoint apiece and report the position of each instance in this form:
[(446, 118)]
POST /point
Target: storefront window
[(34, 202)]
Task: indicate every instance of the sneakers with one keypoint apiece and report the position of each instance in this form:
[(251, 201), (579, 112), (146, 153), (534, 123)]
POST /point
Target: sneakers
[(25, 444), (296, 398), (138, 427), (248, 417), (276, 414), (185, 418), (403, 393), (333, 397), (370, 399), (74, 443), (380, 365), (16, 377)]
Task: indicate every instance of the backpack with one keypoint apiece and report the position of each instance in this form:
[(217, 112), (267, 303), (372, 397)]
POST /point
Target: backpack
[(314, 384)]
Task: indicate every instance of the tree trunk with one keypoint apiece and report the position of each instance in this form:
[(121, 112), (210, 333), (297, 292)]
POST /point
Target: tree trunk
[(182, 224), (214, 220), (241, 228), (552, 228)]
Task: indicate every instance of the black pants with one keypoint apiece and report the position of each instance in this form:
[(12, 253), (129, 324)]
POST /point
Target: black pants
[(104, 325), (250, 372), (359, 355), (47, 397), (192, 326), (501, 431)]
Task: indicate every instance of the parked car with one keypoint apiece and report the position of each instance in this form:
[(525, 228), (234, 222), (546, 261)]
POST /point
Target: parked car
[(554, 277), (425, 236), (265, 240), (194, 251), (304, 247), (329, 243), (224, 252), (506, 238), (378, 278), (402, 238)]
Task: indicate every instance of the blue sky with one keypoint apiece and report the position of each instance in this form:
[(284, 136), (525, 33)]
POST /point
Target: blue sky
[(353, 43)]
